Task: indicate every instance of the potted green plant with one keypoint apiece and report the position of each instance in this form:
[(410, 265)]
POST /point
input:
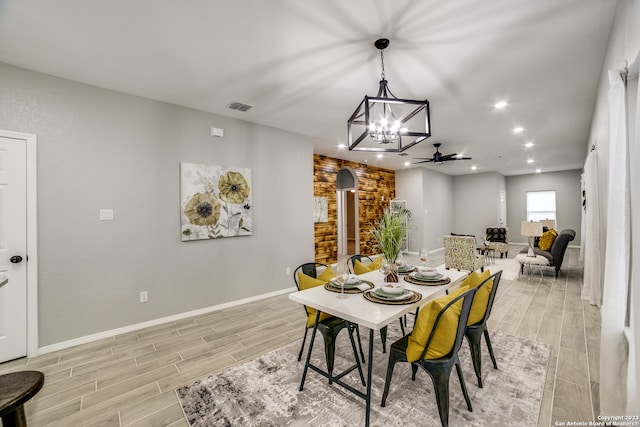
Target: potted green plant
[(389, 233)]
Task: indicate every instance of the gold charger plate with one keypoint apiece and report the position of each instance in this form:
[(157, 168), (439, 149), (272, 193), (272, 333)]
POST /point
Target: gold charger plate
[(371, 296), (440, 282), (331, 288)]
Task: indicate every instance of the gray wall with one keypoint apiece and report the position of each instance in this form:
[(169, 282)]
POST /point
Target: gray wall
[(438, 203), (104, 149), (409, 188), (475, 202), (568, 200), (429, 197)]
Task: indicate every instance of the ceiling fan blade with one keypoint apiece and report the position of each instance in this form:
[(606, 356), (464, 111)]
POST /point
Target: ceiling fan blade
[(424, 161), (449, 157)]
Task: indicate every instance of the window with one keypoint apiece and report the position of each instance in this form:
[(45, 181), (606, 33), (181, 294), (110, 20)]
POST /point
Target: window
[(541, 205)]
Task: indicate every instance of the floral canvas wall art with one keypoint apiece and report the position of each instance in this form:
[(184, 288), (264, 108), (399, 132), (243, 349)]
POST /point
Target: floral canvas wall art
[(215, 201)]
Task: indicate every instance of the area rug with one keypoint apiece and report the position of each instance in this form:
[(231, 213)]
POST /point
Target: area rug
[(509, 266), (265, 390)]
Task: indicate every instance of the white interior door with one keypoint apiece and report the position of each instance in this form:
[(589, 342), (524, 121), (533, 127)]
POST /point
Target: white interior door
[(13, 248), (502, 221), (341, 211)]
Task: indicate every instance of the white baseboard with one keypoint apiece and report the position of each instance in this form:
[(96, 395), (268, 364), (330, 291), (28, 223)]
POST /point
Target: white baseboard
[(113, 332)]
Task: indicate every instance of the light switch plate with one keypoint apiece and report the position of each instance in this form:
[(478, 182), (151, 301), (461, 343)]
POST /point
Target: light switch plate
[(106, 214)]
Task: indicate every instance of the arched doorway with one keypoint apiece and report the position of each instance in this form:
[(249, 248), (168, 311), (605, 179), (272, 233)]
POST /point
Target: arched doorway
[(347, 212)]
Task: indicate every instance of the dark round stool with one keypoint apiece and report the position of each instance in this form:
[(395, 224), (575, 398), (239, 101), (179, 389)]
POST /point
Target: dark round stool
[(16, 389)]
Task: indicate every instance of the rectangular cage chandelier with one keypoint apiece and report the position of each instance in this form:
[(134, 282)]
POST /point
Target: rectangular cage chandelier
[(385, 123)]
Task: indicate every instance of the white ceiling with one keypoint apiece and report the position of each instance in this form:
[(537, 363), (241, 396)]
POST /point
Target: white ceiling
[(305, 65)]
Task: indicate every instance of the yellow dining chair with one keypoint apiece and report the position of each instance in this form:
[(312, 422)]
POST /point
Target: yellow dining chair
[(433, 346), (305, 277), (477, 322)]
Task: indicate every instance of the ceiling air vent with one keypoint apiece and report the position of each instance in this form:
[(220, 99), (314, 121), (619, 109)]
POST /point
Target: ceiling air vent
[(240, 106)]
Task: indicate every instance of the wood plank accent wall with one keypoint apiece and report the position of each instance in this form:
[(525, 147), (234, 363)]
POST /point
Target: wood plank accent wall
[(374, 184)]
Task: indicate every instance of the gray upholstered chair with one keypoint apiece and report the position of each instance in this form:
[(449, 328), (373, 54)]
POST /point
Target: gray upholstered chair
[(555, 255), (460, 253)]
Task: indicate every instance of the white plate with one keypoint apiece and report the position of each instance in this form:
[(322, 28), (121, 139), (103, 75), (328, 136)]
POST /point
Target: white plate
[(419, 276), (352, 280), (406, 294), (336, 285)]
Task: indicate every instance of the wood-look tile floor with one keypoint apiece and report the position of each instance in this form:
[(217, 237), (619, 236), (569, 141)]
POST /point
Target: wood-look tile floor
[(130, 379)]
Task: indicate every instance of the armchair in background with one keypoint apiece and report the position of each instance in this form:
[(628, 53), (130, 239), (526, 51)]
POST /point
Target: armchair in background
[(498, 238), (460, 253)]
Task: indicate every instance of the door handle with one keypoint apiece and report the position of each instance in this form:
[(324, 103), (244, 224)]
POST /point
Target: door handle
[(16, 259)]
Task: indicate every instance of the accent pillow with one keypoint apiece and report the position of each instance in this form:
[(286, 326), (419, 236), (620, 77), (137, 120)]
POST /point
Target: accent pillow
[(360, 268), (546, 240), (445, 334), (376, 264), (307, 282), (326, 275), (481, 298)]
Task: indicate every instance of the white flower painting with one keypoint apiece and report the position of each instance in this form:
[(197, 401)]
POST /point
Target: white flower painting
[(215, 201)]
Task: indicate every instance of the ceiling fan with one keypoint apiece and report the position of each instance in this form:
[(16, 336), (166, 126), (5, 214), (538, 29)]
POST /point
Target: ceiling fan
[(439, 158)]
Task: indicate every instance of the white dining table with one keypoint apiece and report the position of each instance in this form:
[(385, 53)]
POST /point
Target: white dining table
[(356, 309)]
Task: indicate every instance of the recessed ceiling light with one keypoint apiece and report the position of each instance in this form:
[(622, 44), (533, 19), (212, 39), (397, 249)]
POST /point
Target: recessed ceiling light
[(530, 161), (460, 155), (529, 144), (500, 105), (538, 170), (518, 129), (407, 163), (341, 146), (379, 155), (474, 168)]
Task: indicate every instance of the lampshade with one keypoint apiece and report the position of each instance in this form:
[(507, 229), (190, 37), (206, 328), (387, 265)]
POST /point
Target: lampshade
[(386, 123), (549, 223), (531, 228)]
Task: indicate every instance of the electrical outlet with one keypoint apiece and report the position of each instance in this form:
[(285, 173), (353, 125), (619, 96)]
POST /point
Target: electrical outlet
[(144, 297), (106, 214), (287, 271)]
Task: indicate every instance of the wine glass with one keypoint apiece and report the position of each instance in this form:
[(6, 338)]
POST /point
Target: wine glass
[(385, 267), (342, 274), (424, 256)]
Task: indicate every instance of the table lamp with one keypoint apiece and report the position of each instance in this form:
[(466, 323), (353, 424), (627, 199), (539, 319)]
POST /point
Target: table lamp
[(531, 229), (549, 223)]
